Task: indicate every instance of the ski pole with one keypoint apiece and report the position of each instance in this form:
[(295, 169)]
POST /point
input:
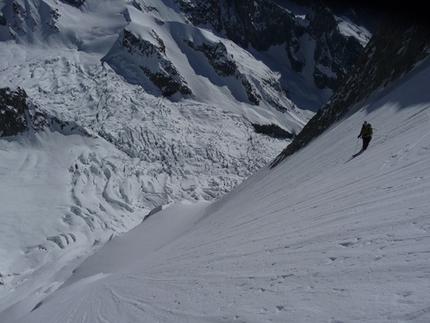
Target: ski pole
[(356, 143)]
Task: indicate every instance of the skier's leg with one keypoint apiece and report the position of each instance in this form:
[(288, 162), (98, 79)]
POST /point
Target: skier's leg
[(366, 142)]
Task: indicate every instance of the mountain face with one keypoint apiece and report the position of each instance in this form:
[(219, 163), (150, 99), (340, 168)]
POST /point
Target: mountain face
[(138, 73), (399, 44), (311, 33), (314, 43)]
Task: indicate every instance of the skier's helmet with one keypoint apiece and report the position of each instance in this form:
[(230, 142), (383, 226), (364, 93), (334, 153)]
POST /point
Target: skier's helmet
[(365, 123)]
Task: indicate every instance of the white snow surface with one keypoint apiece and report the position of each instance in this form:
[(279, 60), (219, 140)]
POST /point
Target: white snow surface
[(320, 238), (323, 237)]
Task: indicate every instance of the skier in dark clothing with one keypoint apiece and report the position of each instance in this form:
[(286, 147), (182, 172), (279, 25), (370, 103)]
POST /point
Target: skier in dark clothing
[(366, 134)]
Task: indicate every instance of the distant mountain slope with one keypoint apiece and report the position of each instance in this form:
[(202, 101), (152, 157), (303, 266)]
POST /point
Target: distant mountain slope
[(308, 45), (167, 82), (315, 46)]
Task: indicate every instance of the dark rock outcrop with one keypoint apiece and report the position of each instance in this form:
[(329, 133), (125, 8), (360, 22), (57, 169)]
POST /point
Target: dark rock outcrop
[(218, 57), (2, 20), (75, 3), (333, 52), (392, 52), (13, 108), (19, 115), (205, 12), (151, 59), (272, 130), (20, 20), (225, 65)]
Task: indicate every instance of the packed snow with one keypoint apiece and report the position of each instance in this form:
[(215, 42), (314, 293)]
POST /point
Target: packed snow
[(323, 237)]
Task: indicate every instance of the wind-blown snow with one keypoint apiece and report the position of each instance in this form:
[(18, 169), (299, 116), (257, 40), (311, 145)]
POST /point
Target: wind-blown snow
[(323, 237)]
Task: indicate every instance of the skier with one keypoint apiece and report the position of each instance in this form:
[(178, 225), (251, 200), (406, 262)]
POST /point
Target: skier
[(366, 133)]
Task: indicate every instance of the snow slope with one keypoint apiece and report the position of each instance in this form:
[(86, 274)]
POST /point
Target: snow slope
[(323, 237)]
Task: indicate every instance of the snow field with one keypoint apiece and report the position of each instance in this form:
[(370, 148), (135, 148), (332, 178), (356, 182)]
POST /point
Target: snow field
[(320, 238)]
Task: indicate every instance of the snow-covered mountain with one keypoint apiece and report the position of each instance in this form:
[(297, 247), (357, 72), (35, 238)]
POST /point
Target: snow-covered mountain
[(321, 237), (137, 74), (130, 106)]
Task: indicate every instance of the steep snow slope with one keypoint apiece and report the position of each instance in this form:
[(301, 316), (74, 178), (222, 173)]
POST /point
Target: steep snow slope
[(323, 237)]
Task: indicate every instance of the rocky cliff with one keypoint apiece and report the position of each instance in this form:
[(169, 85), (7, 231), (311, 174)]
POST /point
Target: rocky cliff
[(19, 115), (265, 23)]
